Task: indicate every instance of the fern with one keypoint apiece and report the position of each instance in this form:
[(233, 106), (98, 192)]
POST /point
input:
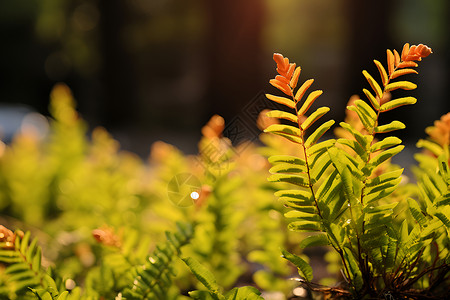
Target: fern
[(23, 271), (345, 185), (214, 291), (152, 279)]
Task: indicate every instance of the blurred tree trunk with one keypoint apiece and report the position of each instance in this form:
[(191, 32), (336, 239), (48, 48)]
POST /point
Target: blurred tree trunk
[(234, 46), (370, 36), (116, 75)]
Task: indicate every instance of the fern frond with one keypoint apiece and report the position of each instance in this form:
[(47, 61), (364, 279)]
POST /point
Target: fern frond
[(152, 279), (23, 261), (214, 291)]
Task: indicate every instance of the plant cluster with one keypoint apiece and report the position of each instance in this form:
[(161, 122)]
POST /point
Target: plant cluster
[(100, 223)]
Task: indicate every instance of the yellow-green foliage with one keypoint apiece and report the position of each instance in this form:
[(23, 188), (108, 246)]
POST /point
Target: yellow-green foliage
[(102, 223), (347, 194)]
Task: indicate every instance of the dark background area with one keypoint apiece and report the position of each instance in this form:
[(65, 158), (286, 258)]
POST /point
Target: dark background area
[(157, 70)]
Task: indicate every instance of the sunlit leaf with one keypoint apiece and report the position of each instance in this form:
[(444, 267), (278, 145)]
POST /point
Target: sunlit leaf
[(394, 125), (404, 85), (372, 99), (416, 212), (302, 90), (304, 269), (281, 100), (289, 132), (383, 156), (290, 159), (317, 134), (388, 142), (397, 103), (295, 76), (202, 274), (314, 117), (287, 168), (375, 86), (294, 179), (383, 74), (401, 72), (390, 62), (314, 241), (282, 115), (309, 101)]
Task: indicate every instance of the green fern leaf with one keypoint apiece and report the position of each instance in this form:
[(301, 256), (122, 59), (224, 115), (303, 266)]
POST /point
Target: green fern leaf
[(366, 109), (372, 99), (287, 159), (404, 85), (309, 101), (390, 105), (300, 180), (388, 142), (394, 125), (302, 195), (389, 255), (375, 238), (355, 273), (308, 210), (385, 177), (287, 168), (362, 140), (244, 293), (337, 234), (383, 186), (289, 132), (319, 167), (380, 209), (367, 122), (383, 156), (282, 115), (304, 269), (303, 216), (444, 168), (329, 188), (375, 86), (314, 240), (202, 274), (416, 212), (369, 198), (355, 146), (382, 71), (443, 219), (302, 90), (303, 226), (429, 145), (203, 295), (316, 115), (317, 134), (319, 148), (443, 200), (151, 280)]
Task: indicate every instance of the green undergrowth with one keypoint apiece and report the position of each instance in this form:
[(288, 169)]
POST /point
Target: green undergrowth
[(83, 219)]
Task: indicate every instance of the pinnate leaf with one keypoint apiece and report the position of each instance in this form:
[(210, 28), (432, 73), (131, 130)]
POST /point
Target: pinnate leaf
[(281, 100), (304, 269), (397, 103), (404, 85)]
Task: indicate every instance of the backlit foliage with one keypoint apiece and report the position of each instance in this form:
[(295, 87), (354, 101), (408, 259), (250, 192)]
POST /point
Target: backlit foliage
[(345, 187), (100, 223)]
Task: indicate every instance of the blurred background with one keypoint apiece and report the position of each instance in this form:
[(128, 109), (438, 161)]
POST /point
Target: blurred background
[(151, 70)]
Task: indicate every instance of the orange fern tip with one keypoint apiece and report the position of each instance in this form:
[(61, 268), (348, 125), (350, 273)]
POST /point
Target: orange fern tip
[(415, 52), (284, 68), (282, 63), (440, 132)]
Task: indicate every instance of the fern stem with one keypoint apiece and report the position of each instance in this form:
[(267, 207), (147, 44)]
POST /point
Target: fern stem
[(308, 170)]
